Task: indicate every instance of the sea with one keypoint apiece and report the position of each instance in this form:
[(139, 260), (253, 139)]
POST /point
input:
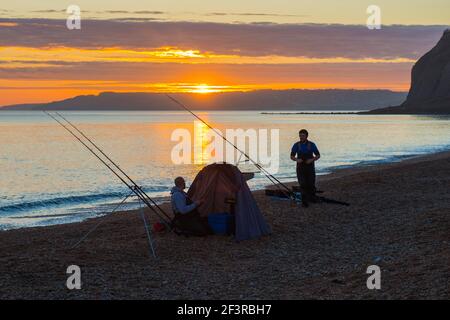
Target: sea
[(48, 177)]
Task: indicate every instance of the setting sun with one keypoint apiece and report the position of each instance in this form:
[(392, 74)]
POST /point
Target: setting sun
[(204, 88)]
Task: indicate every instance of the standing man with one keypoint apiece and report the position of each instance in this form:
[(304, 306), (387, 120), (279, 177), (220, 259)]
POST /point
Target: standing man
[(305, 153)]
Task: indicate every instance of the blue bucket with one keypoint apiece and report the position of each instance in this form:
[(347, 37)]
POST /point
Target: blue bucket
[(220, 223)]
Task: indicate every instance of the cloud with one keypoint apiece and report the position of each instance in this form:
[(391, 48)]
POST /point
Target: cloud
[(49, 11), (394, 76), (132, 12), (116, 11), (289, 40), (8, 24), (135, 19), (106, 11), (245, 14), (149, 12)]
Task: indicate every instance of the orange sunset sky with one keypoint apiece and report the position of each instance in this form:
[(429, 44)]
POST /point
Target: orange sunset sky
[(210, 46)]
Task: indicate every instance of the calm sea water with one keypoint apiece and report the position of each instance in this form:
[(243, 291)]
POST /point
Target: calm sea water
[(47, 177)]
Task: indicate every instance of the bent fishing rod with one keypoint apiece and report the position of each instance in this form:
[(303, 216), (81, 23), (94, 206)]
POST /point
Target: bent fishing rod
[(134, 187), (139, 189), (270, 176)]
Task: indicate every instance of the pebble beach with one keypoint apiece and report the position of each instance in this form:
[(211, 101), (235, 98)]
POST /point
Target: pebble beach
[(399, 220)]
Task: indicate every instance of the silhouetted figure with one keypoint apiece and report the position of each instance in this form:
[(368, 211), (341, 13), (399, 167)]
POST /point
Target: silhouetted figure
[(305, 153), (187, 219)]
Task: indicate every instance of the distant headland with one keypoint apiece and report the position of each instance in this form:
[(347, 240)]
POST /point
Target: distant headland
[(283, 100)]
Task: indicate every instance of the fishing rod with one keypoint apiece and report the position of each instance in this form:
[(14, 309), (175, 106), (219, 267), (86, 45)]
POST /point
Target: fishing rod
[(136, 189), (139, 189), (270, 176)]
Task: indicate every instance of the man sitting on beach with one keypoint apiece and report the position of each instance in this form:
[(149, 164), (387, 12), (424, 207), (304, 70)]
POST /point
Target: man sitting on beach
[(187, 219), (305, 153)]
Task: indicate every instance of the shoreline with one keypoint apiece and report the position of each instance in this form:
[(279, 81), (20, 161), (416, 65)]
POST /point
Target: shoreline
[(331, 173), (398, 220)]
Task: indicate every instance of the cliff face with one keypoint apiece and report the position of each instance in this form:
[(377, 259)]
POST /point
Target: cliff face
[(430, 83), (430, 80)]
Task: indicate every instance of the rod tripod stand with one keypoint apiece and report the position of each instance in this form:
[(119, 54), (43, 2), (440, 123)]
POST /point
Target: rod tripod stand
[(144, 219)]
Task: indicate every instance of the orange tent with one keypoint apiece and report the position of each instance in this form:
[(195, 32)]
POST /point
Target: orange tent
[(224, 189)]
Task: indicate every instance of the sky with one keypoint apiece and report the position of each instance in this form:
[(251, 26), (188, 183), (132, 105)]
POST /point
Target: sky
[(210, 46)]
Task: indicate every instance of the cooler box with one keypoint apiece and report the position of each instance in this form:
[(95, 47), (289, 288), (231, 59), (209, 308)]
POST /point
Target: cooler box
[(221, 223)]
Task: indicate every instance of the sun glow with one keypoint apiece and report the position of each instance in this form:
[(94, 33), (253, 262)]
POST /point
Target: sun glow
[(201, 142), (204, 89)]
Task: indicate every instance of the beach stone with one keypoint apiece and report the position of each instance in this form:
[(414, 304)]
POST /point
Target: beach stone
[(377, 259)]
